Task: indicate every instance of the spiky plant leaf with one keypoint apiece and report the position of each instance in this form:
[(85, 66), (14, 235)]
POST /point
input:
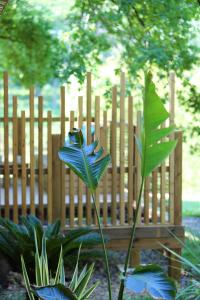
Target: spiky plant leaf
[(83, 160), (26, 280), (152, 150)]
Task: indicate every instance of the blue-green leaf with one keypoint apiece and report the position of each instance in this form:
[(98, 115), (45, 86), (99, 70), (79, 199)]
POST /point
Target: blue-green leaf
[(53, 292), (151, 279), (83, 160)]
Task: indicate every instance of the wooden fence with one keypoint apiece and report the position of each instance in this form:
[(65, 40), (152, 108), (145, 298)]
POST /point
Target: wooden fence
[(33, 180)]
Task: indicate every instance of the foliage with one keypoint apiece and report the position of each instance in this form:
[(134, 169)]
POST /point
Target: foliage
[(17, 240), (190, 263), (151, 280), (151, 148), (48, 287), (89, 165), (158, 32), (30, 49)]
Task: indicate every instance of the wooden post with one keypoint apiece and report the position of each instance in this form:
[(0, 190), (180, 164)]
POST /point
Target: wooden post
[(6, 145), (40, 158), (80, 183), (15, 165), (32, 156), (113, 155), (49, 175), (135, 258), (63, 177), (171, 157), (56, 182), (178, 180), (89, 139), (174, 269), (122, 146)]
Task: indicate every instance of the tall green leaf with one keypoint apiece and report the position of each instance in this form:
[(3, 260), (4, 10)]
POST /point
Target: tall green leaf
[(83, 160), (151, 279), (152, 150)]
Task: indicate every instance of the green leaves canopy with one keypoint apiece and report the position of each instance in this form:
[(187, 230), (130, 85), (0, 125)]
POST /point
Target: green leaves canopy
[(152, 151), (83, 160), (152, 280)]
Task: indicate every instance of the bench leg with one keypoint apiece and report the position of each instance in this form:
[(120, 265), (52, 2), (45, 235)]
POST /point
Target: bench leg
[(174, 265), (135, 258)]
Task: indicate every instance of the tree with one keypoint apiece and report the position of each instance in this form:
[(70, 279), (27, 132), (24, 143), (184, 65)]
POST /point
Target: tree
[(29, 47), (159, 32)]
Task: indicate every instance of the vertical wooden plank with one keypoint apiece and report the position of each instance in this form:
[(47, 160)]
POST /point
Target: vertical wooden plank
[(178, 180), (63, 177), (97, 137), (113, 154), (89, 139), (49, 167), (105, 177), (171, 158), (56, 182), (32, 156), (174, 270), (122, 145), (15, 165), (80, 184), (146, 200), (40, 157), (138, 165), (130, 160), (163, 190), (71, 181), (155, 196), (6, 145), (23, 144)]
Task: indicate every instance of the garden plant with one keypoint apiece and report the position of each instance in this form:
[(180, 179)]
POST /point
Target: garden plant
[(90, 165), (18, 239)]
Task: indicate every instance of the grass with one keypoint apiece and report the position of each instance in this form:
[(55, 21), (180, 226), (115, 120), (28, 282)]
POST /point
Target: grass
[(191, 209)]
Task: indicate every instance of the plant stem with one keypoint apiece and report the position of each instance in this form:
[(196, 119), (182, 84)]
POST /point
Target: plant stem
[(130, 246), (104, 249)]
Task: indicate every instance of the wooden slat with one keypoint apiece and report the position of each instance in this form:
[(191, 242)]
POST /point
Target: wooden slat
[(171, 158), (122, 146), (138, 165), (56, 182), (6, 145), (97, 137), (105, 179), (178, 180), (15, 166), (163, 190), (32, 156), (88, 117), (155, 196), (130, 160), (49, 167), (80, 183), (63, 132), (71, 181), (113, 154), (146, 200), (40, 157), (23, 144)]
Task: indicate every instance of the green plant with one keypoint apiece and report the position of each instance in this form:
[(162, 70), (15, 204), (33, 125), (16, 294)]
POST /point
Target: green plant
[(152, 150), (17, 240), (48, 287), (190, 263), (89, 166)]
